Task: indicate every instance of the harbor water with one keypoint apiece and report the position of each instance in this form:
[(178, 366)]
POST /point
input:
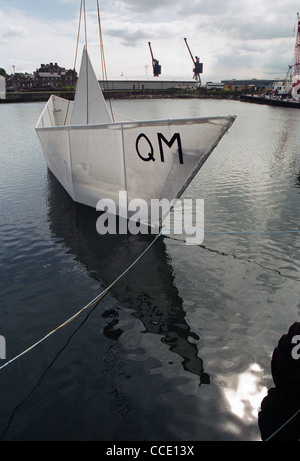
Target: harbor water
[(180, 347)]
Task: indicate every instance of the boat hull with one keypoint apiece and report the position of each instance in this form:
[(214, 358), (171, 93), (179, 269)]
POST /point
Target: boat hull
[(293, 104), (145, 159)]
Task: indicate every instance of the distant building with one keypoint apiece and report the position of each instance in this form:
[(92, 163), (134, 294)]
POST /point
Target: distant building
[(48, 76), (248, 84), (147, 84), (229, 85), (2, 87), (53, 76), (214, 86), (19, 82)]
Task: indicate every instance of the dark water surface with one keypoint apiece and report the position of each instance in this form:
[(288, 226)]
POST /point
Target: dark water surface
[(180, 348)]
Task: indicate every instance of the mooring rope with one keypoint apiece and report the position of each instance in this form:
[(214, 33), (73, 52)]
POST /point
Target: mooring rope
[(104, 292), (90, 304), (179, 230), (253, 232), (282, 426)]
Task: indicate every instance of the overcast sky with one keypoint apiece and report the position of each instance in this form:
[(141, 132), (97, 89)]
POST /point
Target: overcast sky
[(233, 38)]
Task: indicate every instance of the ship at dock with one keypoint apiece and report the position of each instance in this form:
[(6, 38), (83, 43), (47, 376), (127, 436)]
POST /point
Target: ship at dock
[(287, 92)]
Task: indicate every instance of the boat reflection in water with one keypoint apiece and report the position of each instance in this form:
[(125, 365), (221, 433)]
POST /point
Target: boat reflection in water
[(148, 288)]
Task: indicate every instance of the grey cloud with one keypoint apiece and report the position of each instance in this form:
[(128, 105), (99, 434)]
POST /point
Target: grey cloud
[(258, 29), (191, 8), (7, 32), (237, 19), (144, 5), (204, 8), (127, 37)]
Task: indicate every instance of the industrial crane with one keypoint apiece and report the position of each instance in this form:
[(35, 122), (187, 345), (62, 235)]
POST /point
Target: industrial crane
[(296, 77), (155, 64), (287, 82), (297, 49), (198, 69)]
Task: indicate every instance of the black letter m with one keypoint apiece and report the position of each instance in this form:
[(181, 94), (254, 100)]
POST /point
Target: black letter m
[(161, 138)]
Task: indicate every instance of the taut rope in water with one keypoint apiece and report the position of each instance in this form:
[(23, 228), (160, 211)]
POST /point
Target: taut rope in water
[(90, 304)]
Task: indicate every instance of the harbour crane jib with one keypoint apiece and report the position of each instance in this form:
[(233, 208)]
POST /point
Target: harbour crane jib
[(155, 63), (198, 69)]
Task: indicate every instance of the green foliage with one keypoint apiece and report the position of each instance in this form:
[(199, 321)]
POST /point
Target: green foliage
[(3, 73)]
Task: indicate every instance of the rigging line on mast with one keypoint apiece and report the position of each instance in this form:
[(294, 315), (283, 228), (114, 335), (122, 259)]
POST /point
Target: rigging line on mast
[(87, 67), (104, 73), (85, 30), (78, 35), (102, 57)]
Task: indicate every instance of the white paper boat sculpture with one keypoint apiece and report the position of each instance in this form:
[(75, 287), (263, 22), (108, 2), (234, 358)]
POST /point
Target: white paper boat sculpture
[(95, 157)]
